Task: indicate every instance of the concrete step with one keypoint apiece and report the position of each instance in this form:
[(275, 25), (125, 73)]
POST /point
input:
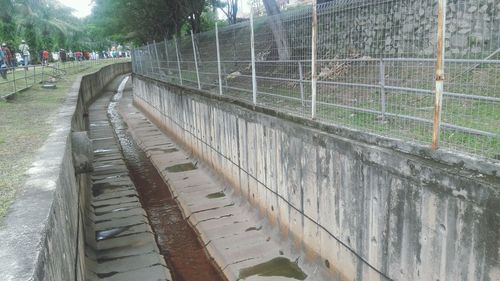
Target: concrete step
[(121, 244)]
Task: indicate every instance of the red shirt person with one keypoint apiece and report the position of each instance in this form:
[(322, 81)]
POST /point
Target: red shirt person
[(8, 55), (45, 56)]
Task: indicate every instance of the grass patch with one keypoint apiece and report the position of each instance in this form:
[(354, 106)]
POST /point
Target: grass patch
[(25, 123)]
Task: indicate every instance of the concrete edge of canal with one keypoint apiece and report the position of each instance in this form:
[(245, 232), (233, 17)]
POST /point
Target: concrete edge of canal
[(42, 235)]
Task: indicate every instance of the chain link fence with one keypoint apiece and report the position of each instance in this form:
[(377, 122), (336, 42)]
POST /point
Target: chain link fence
[(375, 67)]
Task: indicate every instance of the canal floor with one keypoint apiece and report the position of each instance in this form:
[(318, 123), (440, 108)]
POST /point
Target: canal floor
[(178, 243)]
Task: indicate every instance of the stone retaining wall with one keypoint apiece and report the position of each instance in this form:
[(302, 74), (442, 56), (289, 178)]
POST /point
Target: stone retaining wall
[(400, 28)]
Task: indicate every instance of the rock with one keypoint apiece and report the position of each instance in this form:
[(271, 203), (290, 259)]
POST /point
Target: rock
[(407, 27), (476, 50), (472, 9), (458, 41), (429, 51), (381, 19), (463, 24), (233, 75), (464, 31), (397, 16), (452, 7)]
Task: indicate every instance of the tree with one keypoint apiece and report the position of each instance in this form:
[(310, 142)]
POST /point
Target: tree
[(279, 33), (42, 23), (141, 21), (229, 8)]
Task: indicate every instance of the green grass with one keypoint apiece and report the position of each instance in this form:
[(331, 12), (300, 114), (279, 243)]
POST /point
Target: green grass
[(461, 78), (25, 123), (474, 114)]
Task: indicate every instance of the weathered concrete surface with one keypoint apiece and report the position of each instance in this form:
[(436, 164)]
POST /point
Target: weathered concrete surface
[(232, 231), (120, 244), (365, 210), (42, 235)]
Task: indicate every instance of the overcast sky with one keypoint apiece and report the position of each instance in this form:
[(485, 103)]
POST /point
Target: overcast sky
[(82, 7)]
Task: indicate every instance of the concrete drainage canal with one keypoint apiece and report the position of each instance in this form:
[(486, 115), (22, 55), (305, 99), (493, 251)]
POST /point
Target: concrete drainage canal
[(149, 210), (158, 214), (178, 243)]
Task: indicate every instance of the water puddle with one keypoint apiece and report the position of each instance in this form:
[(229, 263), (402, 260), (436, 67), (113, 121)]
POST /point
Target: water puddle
[(253, 228), (181, 168), (102, 150), (280, 266), (177, 241), (168, 150), (109, 233), (216, 195), (113, 211)]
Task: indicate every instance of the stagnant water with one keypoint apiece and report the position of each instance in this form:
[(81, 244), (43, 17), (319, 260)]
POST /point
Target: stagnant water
[(178, 242)]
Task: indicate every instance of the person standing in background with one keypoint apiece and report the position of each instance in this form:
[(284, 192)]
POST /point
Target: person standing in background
[(25, 52), (62, 55), (3, 65), (7, 54), (45, 57)]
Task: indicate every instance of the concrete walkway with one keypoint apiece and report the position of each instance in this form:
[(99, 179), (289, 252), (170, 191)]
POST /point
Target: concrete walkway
[(244, 245), (120, 243)]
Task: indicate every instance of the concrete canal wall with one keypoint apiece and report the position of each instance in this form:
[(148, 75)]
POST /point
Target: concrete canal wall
[(42, 237), (368, 208)]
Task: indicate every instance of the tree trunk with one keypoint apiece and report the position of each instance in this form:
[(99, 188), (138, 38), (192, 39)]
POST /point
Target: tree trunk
[(279, 33)]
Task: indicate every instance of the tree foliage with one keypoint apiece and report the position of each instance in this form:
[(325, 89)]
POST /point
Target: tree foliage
[(44, 24), (140, 21)]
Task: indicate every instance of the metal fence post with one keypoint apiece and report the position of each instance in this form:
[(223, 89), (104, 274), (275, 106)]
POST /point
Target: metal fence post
[(218, 58), (314, 77), (133, 61), (301, 81), (26, 77), (14, 78), (438, 100), (150, 59), (195, 60), (166, 53), (252, 46), (157, 58), (178, 61), (382, 88), (140, 61)]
